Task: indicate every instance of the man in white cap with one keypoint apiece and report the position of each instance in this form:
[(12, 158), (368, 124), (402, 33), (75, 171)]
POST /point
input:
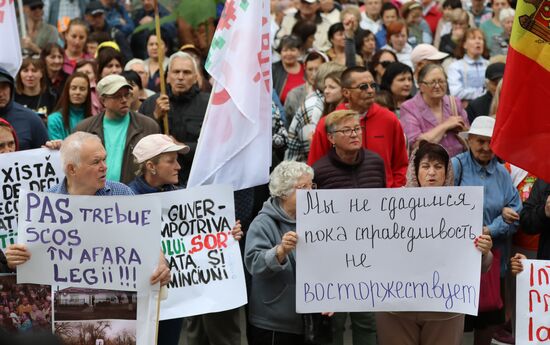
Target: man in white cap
[(424, 54), (119, 128), (501, 202)]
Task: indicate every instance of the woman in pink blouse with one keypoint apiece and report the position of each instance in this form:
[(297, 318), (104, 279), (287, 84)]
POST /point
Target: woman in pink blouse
[(432, 115)]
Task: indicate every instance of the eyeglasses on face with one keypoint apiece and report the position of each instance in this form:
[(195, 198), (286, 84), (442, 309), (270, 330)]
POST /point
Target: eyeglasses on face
[(364, 86), (347, 131), (120, 96), (433, 83)]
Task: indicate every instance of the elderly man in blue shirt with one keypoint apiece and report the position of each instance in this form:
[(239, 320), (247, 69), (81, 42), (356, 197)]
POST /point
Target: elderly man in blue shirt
[(501, 205)]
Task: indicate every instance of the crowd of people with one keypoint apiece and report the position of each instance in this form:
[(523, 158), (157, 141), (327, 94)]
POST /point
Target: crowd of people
[(23, 307), (366, 94)]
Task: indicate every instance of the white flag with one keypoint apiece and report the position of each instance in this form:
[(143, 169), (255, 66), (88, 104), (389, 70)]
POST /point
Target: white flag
[(235, 142), (10, 54)]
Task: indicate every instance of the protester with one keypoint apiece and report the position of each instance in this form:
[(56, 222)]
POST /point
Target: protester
[(8, 138), (365, 45), (271, 260), (303, 123), (185, 105), (349, 165), (397, 36), (152, 62), (75, 44), (289, 72), (137, 95), (389, 14), (444, 25), (294, 99), (501, 42), (333, 92), (74, 106), (381, 59), (109, 61), (307, 10), (89, 67), (467, 75), (396, 86), (39, 33), (30, 130), (432, 115), (52, 57), (482, 105), (384, 133), (370, 18), (138, 66), (459, 25), (118, 127), (158, 169), (417, 28), (490, 23), (143, 16), (479, 10), (337, 40), (480, 167), (31, 89), (84, 163), (429, 167), (424, 54)]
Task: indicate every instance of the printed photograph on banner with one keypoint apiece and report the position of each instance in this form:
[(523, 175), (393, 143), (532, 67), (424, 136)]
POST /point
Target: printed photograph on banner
[(36, 170), (24, 307), (94, 304), (100, 332)]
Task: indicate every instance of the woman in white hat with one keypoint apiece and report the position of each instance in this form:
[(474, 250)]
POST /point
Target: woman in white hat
[(480, 167), (157, 156)]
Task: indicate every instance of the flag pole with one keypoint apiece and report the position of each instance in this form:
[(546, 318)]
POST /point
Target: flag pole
[(22, 18), (161, 64)]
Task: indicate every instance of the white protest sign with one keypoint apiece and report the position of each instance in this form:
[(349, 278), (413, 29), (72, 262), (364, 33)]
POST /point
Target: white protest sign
[(207, 271), (35, 170), (406, 249), (89, 241), (532, 303)]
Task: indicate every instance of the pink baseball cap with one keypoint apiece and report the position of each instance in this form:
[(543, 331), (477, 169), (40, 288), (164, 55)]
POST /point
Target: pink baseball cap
[(425, 51), (155, 144)]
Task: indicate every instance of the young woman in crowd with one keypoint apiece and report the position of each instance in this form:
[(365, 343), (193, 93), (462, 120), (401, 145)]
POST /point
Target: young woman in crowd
[(109, 61), (337, 39), (31, 88), (152, 62), (365, 45), (381, 59), (333, 92), (76, 36), (289, 72), (397, 37), (396, 86), (429, 166), (432, 115), (74, 106), (89, 67), (157, 156), (490, 25), (467, 76), (52, 57)]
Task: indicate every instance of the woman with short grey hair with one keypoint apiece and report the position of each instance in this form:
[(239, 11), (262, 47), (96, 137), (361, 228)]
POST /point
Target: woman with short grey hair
[(271, 261)]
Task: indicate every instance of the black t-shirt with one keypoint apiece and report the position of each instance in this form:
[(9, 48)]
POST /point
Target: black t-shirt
[(42, 104)]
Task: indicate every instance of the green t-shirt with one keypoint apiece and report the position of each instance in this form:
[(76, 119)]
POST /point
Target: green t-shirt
[(56, 127), (114, 131)]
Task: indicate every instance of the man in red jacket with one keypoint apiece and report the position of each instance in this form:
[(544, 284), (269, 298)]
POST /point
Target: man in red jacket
[(382, 130)]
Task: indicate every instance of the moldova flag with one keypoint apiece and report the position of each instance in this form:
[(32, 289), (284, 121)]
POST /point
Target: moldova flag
[(522, 130)]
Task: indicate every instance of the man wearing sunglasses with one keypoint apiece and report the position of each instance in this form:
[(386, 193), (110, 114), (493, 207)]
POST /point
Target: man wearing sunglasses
[(38, 33), (382, 132), (119, 128)]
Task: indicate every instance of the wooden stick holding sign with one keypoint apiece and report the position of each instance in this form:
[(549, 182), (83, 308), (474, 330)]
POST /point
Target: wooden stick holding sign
[(161, 64)]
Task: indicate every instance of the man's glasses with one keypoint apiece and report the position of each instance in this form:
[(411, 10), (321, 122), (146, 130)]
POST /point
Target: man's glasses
[(365, 86), (120, 97), (433, 83), (347, 131)]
